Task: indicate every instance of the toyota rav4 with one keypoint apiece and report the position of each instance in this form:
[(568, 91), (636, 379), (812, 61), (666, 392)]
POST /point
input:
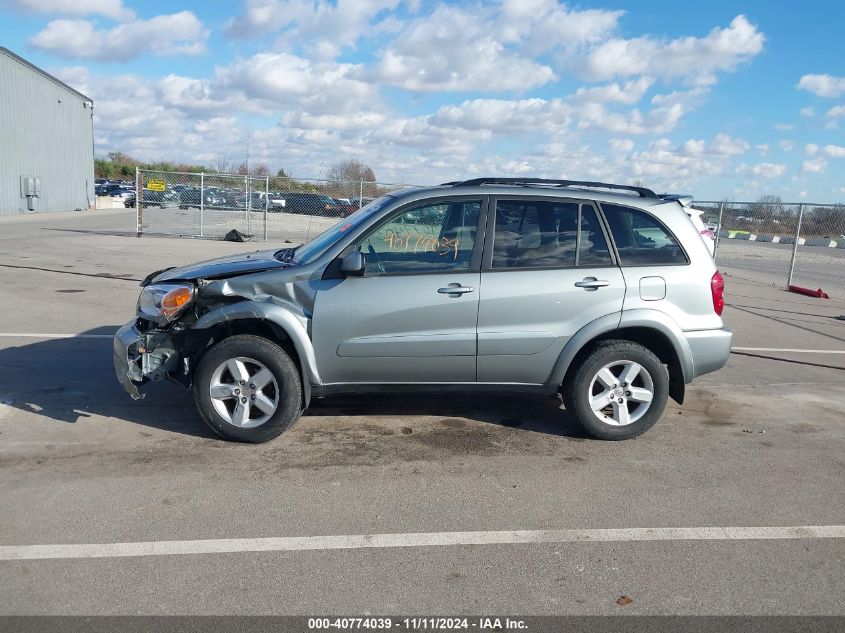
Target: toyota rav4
[(604, 293)]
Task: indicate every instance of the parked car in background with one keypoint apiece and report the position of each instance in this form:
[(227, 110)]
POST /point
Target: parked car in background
[(150, 198), (345, 208), (309, 204), (190, 197), (115, 191), (610, 299), (707, 234)]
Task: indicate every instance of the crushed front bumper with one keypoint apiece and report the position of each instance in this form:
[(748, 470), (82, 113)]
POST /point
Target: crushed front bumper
[(127, 365), (141, 356)]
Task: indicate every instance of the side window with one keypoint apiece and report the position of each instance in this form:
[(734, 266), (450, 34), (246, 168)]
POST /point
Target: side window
[(547, 234), (425, 239), (640, 239)]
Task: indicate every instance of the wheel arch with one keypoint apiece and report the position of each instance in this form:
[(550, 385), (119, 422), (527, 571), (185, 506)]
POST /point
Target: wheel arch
[(650, 328), (270, 321)]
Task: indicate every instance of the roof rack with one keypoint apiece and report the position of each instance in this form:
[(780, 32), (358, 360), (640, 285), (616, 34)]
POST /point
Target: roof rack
[(475, 182)]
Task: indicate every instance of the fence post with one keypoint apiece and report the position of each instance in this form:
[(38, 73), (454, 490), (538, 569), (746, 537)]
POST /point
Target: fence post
[(795, 246), (718, 228), (361, 194), (266, 203), (202, 201), (139, 227), (246, 205)]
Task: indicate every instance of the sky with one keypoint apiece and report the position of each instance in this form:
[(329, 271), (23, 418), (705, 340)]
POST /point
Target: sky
[(721, 99)]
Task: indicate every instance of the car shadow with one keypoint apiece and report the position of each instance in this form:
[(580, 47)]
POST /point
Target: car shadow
[(69, 379)]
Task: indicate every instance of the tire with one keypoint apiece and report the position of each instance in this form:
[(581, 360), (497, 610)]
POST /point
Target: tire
[(256, 421), (588, 386)]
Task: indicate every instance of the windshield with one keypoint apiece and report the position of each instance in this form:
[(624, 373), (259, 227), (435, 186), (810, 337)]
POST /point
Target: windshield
[(313, 249)]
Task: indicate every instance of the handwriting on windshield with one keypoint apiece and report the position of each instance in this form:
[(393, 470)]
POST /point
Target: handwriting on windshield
[(416, 243)]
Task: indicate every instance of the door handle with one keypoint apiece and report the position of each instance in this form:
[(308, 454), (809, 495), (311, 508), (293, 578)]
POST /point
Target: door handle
[(455, 289), (591, 283)]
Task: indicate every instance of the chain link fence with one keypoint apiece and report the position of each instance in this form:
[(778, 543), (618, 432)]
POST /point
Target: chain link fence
[(767, 241), (780, 243), (210, 205)]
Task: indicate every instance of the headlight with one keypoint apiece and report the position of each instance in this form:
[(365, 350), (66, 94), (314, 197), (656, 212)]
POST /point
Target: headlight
[(163, 302)]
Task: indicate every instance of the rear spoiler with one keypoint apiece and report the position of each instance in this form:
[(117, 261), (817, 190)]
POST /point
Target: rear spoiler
[(684, 199)]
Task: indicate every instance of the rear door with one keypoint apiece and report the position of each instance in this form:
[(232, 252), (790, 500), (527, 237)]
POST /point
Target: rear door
[(547, 272)]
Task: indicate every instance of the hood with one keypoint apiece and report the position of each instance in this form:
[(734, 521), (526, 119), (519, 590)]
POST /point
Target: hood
[(221, 267)]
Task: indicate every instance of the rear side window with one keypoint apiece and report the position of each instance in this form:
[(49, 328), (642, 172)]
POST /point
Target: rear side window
[(640, 239), (547, 234)]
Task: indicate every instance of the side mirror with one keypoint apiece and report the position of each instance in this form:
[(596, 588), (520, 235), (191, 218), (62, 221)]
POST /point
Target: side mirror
[(353, 264)]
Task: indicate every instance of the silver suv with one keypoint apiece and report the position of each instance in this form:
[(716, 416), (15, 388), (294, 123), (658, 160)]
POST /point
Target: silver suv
[(604, 293)]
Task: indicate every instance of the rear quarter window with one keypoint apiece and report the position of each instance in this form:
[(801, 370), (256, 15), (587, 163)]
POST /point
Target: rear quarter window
[(641, 239)]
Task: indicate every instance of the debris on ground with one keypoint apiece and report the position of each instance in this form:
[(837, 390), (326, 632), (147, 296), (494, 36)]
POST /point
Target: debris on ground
[(624, 601), (236, 236)]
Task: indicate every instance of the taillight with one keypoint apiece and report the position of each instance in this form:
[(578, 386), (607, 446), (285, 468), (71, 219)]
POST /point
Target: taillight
[(717, 289), (709, 233)]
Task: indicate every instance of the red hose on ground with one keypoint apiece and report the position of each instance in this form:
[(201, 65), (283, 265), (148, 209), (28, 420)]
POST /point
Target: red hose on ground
[(820, 294)]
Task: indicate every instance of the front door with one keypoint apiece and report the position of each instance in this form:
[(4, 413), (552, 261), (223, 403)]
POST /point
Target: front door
[(412, 316), (548, 273)]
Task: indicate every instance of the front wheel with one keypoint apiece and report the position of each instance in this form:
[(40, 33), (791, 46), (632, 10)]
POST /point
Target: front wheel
[(247, 389), (619, 391)]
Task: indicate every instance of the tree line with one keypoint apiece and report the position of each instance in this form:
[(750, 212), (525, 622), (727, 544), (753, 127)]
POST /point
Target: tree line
[(120, 165)]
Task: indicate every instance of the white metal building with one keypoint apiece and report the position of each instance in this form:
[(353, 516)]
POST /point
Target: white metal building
[(46, 141)]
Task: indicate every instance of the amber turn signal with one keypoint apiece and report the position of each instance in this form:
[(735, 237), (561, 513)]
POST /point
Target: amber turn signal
[(175, 300)]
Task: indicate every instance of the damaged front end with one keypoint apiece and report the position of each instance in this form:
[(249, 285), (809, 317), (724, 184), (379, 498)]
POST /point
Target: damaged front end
[(144, 349), (140, 357), (167, 334)]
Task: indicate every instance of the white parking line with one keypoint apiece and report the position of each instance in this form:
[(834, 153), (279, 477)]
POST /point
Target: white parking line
[(421, 539), (790, 351)]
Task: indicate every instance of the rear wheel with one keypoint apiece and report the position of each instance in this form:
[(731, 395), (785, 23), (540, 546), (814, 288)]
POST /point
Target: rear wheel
[(248, 389), (619, 391)]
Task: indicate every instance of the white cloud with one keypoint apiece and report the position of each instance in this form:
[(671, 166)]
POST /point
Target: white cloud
[(836, 111), (826, 86), (694, 58), (114, 9), (661, 161), (629, 93), (724, 144), (786, 145), (834, 151), (762, 148), (283, 80), (326, 27), (811, 149), (768, 170), (814, 165), (623, 145), (175, 34), (802, 194), (454, 50), (784, 127), (693, 148), (808, 111)]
